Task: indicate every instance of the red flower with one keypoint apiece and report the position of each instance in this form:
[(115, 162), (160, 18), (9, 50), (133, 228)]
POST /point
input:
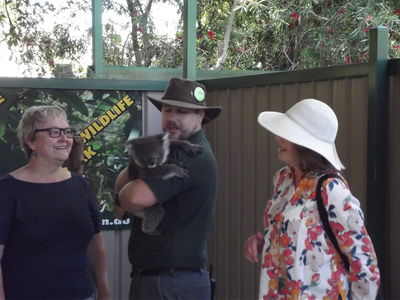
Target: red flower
[(313, 236), (288, 259), (285, 240), (366, 240), (341, 11), (347, 59), (295, 16), (363, 54), (337, 227), (366, 29), (347, 206), (308, 244), (210, 34), (278, 217), (140, 29), (336, 275), (396, 11), (268, 261), (369, 18), (296, 284), (315, 277), (353, 277), (366, 244), (134, 12), (365, 248), (272, 274), (287, 252), (356, 266), (346, 239), (396, 47)]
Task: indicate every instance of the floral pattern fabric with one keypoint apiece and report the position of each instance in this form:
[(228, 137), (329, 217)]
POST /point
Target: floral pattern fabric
[(298, 259)]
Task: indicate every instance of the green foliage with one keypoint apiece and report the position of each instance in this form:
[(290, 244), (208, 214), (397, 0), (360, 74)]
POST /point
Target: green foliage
[(265, 34), (130, 40), (38, 48), (286, 35)]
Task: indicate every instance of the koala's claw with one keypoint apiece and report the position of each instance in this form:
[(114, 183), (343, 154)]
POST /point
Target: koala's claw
[(181, 172), (195, 150)]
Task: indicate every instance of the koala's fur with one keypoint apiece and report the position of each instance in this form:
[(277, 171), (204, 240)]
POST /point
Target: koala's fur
[(75, 159), (147, 161)]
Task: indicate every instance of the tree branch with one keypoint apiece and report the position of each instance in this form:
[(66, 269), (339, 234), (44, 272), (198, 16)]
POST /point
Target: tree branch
[(135, 43), (223, 54)]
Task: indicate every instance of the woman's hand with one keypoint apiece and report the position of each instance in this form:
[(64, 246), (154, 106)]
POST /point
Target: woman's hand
[(253, 246)]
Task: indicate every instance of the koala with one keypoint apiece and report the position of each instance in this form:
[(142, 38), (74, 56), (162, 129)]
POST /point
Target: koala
[(75, 159), (147, 161)]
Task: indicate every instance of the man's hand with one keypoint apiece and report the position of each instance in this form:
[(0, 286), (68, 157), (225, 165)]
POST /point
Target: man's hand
[(119, 212)]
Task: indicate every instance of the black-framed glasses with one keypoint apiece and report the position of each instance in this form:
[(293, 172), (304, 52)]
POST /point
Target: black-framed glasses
[(55, 132)]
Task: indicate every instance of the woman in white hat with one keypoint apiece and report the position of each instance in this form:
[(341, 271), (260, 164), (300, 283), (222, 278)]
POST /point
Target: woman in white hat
[(311, 249)]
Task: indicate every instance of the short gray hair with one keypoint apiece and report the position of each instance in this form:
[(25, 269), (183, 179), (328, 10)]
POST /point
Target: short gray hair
[(32, 116)]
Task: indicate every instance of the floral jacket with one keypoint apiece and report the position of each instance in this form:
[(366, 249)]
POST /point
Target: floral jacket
[(298, 259)]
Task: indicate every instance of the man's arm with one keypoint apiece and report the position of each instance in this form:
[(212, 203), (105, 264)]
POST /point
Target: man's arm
[(122, 179), (133, 195)]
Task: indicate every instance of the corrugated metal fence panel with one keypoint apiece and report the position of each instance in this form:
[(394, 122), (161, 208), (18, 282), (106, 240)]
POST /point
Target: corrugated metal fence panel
[(117, 263), (393, 192), (247, 159)]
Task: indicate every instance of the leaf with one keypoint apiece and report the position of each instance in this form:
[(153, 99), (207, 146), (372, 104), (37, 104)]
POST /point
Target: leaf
[(71, 98), (117, 38), (2, 132)]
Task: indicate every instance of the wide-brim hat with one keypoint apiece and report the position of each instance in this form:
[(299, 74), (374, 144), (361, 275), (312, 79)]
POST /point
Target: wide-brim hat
[(309, 123), (187, 94)]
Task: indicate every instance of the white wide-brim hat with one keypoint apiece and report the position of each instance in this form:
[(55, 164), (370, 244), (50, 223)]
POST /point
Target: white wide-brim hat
[(309, 123)]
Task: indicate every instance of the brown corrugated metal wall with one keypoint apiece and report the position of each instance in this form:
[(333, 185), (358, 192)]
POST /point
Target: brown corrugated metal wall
[(393, 192), (247, 159)]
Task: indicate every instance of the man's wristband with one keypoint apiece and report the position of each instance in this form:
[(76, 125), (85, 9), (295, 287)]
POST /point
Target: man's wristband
[(116, 199)]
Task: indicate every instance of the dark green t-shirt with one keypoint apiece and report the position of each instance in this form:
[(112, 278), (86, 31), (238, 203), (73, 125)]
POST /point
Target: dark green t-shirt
[(189, 204)]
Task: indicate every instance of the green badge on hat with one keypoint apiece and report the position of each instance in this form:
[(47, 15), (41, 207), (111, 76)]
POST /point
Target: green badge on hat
[(199, 94)]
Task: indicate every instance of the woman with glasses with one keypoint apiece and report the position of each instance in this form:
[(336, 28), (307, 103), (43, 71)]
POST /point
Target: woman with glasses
[(49, 221)]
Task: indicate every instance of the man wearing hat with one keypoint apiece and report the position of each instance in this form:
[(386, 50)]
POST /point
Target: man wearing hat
[(173, 265)]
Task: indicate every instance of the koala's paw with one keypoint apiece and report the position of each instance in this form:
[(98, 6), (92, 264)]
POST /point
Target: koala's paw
[(195, 150), (181, 172), (152, 217)]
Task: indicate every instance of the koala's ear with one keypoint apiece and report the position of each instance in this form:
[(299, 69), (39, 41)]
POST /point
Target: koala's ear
[(129, 147), (129, 144), (165, 136)]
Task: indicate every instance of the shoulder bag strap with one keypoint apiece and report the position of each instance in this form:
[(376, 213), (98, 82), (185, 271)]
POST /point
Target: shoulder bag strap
[(324, 218)]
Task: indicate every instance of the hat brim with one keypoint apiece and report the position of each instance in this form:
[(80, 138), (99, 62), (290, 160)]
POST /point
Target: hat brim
[(211, 112), (281, 125)]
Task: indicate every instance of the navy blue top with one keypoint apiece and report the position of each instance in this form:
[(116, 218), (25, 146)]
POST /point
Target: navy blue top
[(46, 229)]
